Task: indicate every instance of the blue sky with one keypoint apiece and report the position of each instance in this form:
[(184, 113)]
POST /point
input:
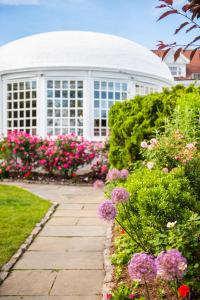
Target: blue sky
[(133, 19)]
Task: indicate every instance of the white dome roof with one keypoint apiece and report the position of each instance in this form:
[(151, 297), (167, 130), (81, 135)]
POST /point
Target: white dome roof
[(79, 49)]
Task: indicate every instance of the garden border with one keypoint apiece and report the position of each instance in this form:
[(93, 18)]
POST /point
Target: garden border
[(108, 267), (7, 267)]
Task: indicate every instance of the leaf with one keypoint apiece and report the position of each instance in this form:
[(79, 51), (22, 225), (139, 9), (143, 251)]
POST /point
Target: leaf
[(181, 27), (165, 53), (177, 54), (161, 6), (192, 27), (170, 2), (193, 53), (186, 7), (192, 42), (167, 13)]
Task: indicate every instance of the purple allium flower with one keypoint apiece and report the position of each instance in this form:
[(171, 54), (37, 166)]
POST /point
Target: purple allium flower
[(171, 265), (113, 175), (98, 184), (124, 174), (107, 211), (119, 195), (142, 267)]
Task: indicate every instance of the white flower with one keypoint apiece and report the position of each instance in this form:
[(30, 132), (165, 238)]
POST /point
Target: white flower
[(144, 145), (150, 165), (154, 142), (165, 170), (171, 224)]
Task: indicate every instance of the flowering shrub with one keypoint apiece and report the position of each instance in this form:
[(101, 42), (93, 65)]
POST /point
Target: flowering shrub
[(169, 151), (100, 166), (23, 154)]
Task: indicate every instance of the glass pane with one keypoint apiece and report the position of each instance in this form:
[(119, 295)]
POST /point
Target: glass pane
[(65, 113), (21, 85), (96, 95), (103, 85), (80, 84), (28, 85), (96, 85), (65, 84), (57, 84), (65, 94), (50, 113), (50, 84), (34, 85)]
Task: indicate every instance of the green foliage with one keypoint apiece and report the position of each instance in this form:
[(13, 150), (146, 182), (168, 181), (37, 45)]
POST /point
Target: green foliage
[(19, 212), (123, 292), (185, 238), (138, 119), (192, 172), (156, 199), (124, 250)]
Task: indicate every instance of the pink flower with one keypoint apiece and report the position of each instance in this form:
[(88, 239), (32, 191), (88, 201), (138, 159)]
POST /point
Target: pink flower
[(191, 146), (131, 296), (154, 141), (108, 296), (144, 145), (98, 184), (165, 170)]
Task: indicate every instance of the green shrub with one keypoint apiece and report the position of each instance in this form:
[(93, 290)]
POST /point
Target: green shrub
[(156, 199), (138, 119)]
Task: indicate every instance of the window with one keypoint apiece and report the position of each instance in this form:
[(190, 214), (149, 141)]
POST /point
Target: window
[(142, 89), (22, 106), (106, 93), (64, 107), (175, 71), (196, 76)]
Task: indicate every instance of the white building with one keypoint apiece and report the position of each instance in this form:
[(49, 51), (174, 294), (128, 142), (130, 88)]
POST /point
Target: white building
[(66, 81), (183, 70)]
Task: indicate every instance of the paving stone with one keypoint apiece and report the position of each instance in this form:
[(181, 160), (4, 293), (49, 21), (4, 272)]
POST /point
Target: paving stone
[(78, 283), (90, 222), (60, 260), (28, 283), (79, 200), (70, 206), (61, 221), (76, 213), (69, 231), (93, 297), (68, 244), (91, 206)]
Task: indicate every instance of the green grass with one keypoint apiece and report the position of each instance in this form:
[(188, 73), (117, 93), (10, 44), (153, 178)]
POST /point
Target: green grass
[(19, 212)]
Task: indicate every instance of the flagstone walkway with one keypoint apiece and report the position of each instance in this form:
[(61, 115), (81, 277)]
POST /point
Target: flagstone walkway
[(65, 262)]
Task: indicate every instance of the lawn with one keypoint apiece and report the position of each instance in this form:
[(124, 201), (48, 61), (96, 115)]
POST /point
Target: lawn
[(19, 212)]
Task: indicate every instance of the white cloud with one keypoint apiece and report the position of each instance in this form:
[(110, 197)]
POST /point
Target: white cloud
[(19, 2)]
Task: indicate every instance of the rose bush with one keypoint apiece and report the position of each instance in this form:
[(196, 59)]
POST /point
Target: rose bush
[(23, 154)]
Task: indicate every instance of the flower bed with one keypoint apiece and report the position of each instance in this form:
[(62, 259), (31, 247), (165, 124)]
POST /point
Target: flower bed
[(156, 210), (23, 155)]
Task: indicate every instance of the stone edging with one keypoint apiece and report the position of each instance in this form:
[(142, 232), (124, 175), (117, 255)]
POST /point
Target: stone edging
[(109, 269), (6, 269)]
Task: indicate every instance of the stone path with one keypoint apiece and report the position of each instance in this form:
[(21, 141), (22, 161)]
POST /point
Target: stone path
[(65, 262)]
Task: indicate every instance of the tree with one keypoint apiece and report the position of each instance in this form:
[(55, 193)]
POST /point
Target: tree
[(190, 11)]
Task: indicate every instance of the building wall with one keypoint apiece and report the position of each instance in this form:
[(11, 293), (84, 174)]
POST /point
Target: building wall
[(35, 91)]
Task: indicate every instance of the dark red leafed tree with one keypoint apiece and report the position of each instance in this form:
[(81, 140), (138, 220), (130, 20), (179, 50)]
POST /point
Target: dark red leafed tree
[(190, 11)]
